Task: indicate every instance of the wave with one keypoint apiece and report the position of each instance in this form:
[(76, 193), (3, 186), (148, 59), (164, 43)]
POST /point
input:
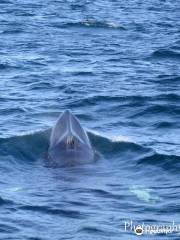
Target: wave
[(9, 65), (54, 211), (5, 2), (12, 31), (168, 162), (165, 124), (169, 79), (34, 145), (167, 103), (169, 97), (166, 53), (159, 109), (5, 202), (90, 23), (94, 100), (5, 66), (29, 146), (83, 73), (109, 146)]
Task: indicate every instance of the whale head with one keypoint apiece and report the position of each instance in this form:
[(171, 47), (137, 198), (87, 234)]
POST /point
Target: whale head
[(69, 142)]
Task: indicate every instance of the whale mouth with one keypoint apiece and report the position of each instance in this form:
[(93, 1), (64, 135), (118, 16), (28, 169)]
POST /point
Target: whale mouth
[(70, 142)]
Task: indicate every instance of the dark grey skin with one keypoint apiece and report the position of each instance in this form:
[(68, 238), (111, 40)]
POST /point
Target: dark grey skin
[(69, 143)]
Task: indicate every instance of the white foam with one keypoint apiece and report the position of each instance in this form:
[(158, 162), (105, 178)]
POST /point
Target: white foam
[(144, 194), (120, 138), (30, 132), (113, 138), (15, 189)]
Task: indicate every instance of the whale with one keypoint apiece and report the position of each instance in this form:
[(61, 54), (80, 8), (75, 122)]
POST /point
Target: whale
[(69, 143)]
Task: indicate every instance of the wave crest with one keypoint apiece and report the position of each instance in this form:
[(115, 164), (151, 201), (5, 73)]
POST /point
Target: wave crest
[(33, 146)]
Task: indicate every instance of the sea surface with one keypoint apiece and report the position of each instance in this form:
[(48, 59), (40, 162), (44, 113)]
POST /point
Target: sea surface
[(116, 65)]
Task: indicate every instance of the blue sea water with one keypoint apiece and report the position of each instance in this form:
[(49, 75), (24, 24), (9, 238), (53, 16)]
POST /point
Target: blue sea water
[(116, 65)]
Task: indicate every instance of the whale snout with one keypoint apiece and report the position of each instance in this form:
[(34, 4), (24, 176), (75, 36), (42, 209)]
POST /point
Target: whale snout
[(69, 142)]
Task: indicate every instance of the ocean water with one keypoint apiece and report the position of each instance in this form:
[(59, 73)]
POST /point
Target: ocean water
[(116, 66)]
